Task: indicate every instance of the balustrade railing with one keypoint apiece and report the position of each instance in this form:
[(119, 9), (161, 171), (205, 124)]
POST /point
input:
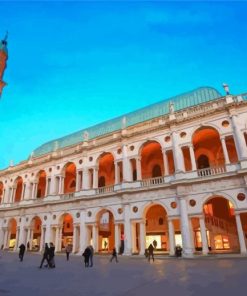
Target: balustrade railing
[(211, 171), (152, 181), (220, 223), (105, 189), (67, 195)]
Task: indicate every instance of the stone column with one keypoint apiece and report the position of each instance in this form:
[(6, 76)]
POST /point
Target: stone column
[(57, 239), (23, 191), (192, 158), (133, 237), (61, 185), (27, 194), (142, 237), (127, 231), (185, 229), (13, 191), (177, 154), (5, 238), (48, 233), (127, 172), (203, 235), (165, 160), (34, 195), (95, 177), (95, 238), (117, 243), (171, 237), (17, 238), (74, 239), (28, 237), (47, 186), (85, 178), (78, 180), (83, 232), (240, 234), (53, 186), (41, 246), (117, 175), (138, 168), (225, 152), (239, 139)]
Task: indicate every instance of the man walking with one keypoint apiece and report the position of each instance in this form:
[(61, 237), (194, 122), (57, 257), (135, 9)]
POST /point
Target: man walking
[(114, 255), (22, 251), (150, 252), (45, 256), (91, 255)]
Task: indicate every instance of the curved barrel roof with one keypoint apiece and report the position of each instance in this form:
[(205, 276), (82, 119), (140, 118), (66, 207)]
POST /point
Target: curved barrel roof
[(192, 98)]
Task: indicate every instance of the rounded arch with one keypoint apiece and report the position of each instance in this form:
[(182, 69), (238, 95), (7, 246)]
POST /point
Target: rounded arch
[(18, 185), (201, 126), (66, 220), (41, 187), (147, 206), (206, 198), (106, 169), (151, 156), (12, 226), (220, 222), (35, 240), (156, 227), (106, 231), (206, 141), (69, 171), (1, 191)]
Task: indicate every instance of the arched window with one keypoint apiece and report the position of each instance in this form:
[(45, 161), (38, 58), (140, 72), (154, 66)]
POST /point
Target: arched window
[(203, 162), (101, 181), (156, 172)]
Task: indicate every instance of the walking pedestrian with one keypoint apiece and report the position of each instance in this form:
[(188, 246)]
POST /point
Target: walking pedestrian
[(45, 256), (52, 256), (86, 255), (91, 255), (22, 251), (150, 252), (114, 255), (68, 250)]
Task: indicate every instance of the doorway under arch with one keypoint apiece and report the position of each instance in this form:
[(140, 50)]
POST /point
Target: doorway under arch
[(220, 222), (106, 235)]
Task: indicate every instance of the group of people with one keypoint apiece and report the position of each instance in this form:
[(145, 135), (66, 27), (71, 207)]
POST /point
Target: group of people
[(48, 256), (88, 256)]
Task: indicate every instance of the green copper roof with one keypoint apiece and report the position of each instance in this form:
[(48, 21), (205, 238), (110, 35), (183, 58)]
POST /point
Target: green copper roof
[(192, 98)]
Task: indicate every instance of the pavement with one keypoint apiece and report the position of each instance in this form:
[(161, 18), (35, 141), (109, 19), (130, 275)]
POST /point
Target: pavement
[(132, 276)]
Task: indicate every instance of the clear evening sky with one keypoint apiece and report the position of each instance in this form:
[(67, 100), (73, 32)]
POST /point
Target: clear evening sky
[(74, 64)]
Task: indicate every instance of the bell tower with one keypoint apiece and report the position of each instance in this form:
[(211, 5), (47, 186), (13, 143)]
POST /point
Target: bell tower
[(3, 61)]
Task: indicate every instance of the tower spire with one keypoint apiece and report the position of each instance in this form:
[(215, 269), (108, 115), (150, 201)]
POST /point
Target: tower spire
[(3, 60)]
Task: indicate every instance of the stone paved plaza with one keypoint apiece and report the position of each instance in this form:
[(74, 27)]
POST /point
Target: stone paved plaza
[(131, 276)]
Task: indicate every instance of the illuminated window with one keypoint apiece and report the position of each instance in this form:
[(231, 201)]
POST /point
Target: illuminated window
[(231, 208)]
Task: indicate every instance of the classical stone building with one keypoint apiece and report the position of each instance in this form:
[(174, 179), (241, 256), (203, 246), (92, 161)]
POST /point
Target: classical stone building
[(174, 172)]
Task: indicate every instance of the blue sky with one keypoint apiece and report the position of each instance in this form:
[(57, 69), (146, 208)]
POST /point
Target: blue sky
[(74, 64)]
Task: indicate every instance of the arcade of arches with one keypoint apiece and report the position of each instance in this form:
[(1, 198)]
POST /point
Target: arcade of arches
[(219, 229), (207, 150)]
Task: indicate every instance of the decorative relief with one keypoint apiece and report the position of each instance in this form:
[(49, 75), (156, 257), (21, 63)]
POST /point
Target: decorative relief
[(78, 215), (120, 211), (241, 196), (192, 202), (135, 209), (173, 205), (89, 213)]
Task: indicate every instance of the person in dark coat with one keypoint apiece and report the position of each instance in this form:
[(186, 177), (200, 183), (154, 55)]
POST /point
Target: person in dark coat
[(150, 252), (91, 255), (22, 251), (52, 256), (68, 250), (86, 255), (114, 255), (45, 256)]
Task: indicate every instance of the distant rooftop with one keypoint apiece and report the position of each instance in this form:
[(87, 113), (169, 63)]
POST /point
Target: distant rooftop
[(188, 99)]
